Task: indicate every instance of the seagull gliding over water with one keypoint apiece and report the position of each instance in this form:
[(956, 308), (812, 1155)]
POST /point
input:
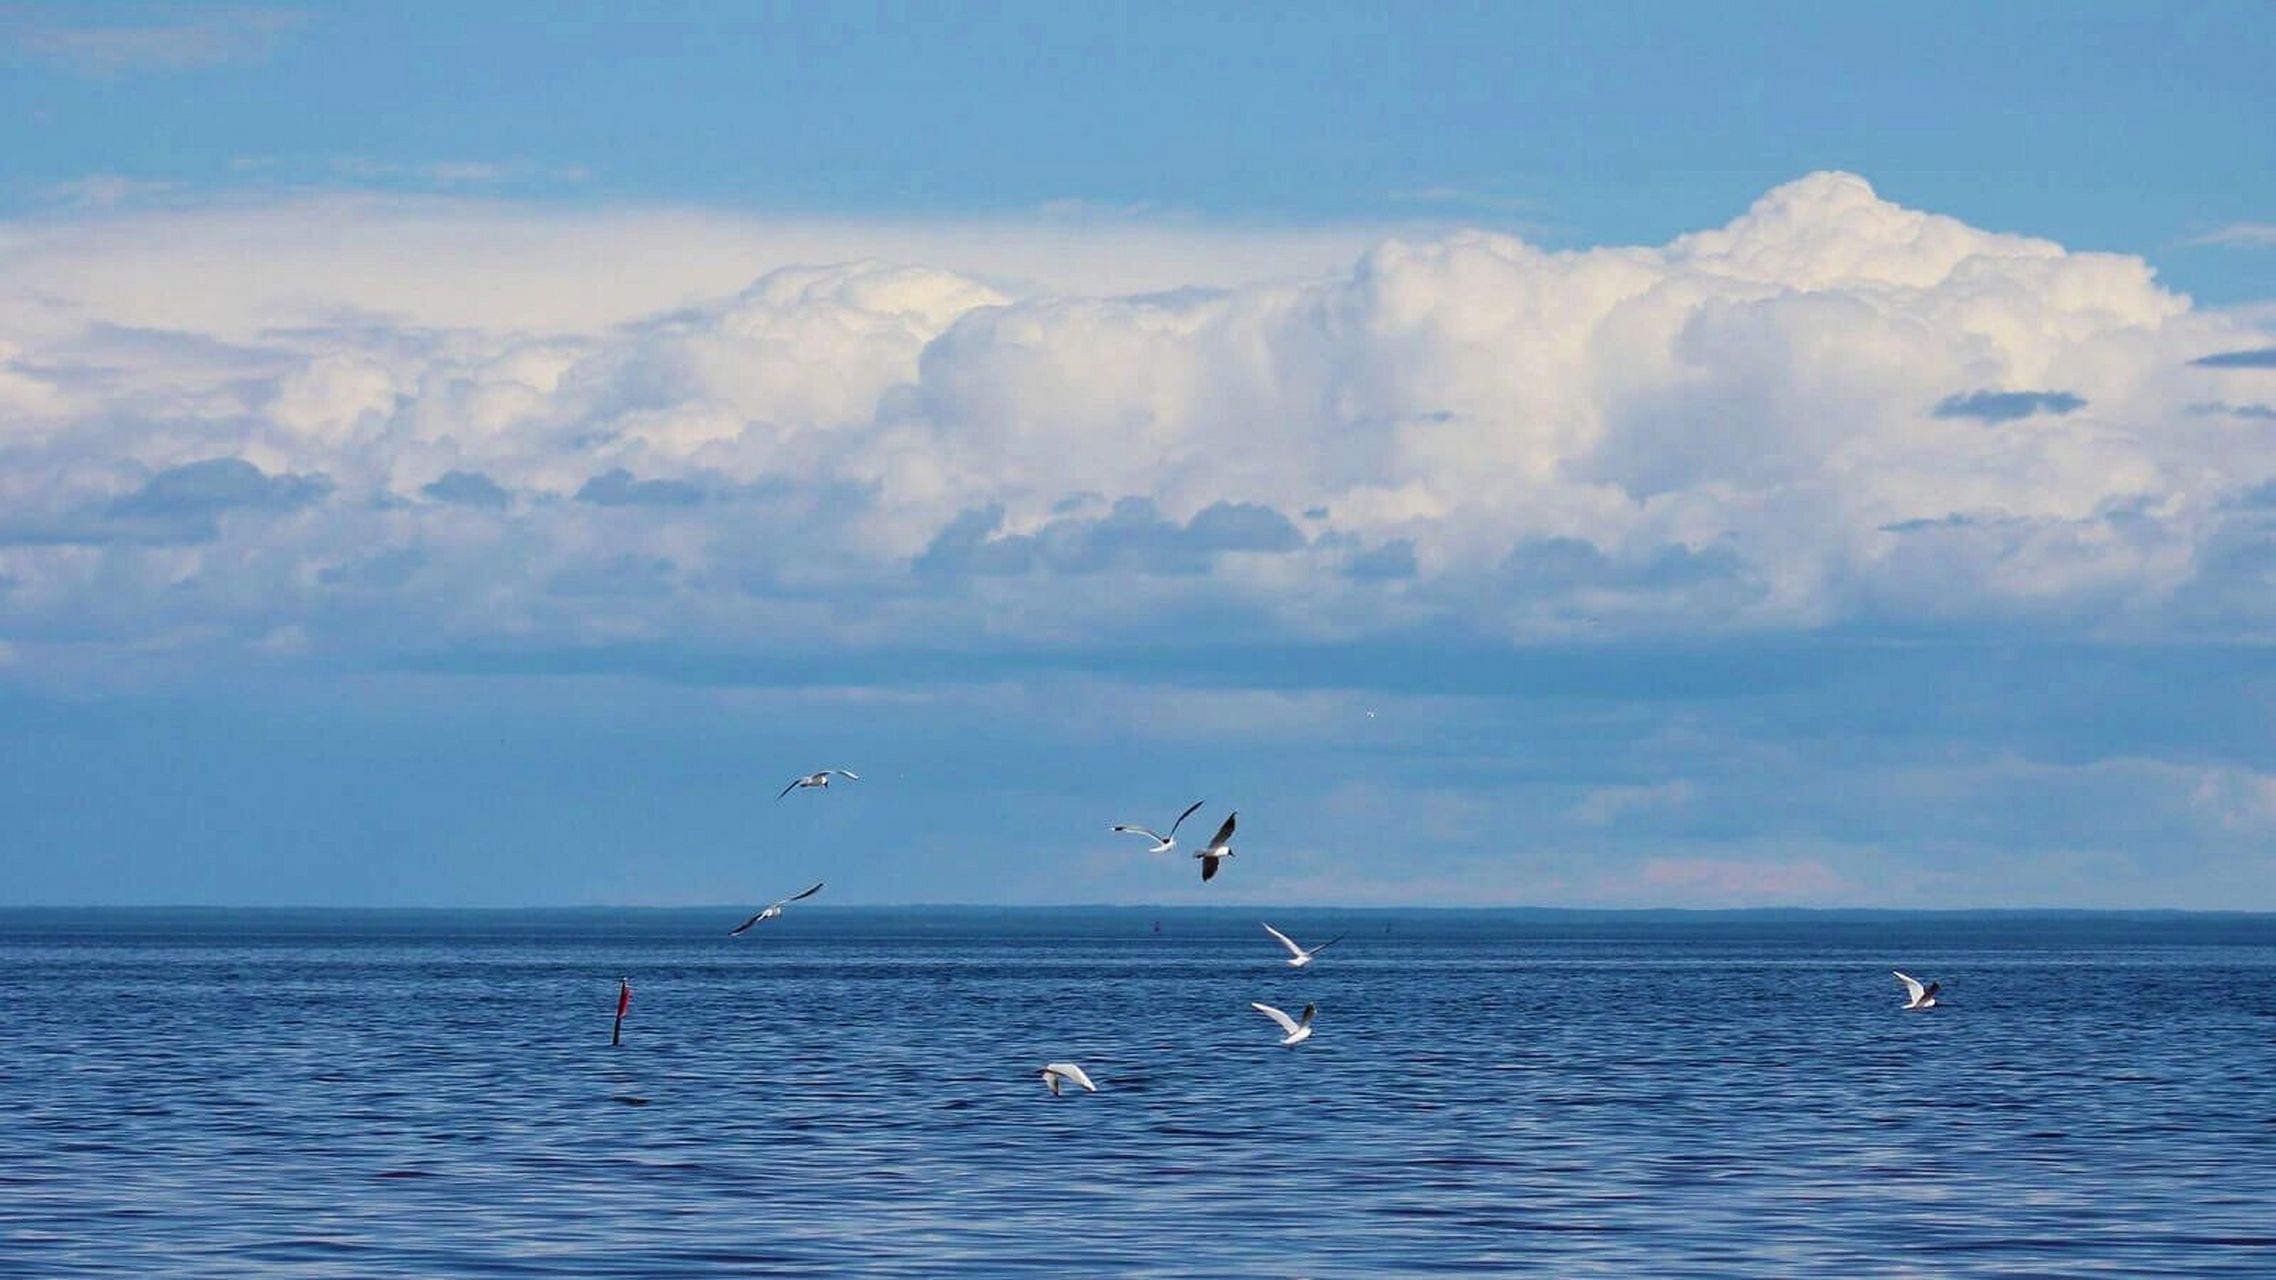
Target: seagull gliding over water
[(821, 779), (1922, 997), (1299, 1030), (1298, 957), (1162, 843), (774, 909), (1217, 848)]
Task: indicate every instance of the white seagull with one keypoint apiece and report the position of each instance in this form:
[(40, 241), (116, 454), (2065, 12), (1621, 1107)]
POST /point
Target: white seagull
[(1056, 1072), (1217, 848), (774, 909), (1298, 957), (1162, 843), (1299, 1029), (1922, 997), (821, 779)]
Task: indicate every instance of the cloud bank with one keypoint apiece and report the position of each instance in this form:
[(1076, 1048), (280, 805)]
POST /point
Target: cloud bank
[(1832, 413)]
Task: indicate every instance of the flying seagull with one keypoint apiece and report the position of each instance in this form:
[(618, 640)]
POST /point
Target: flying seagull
[(1056, 1072), (1217, 847), (821, 779), (1162, 843), (1299, 1029), (1298, 957), (1922, 997), (774, 909)]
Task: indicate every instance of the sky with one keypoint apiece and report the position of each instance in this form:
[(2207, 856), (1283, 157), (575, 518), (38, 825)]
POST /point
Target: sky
[(1641, 456)]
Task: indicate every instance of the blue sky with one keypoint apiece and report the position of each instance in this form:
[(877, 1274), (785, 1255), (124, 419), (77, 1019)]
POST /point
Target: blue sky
[(2132, 128), (1640, 455)]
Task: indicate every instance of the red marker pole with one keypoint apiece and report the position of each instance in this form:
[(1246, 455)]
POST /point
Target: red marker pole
[(623, 1003)]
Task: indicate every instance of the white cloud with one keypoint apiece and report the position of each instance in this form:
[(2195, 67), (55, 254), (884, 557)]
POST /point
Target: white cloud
[(419, 262), (2253, 235), (1118, 432)]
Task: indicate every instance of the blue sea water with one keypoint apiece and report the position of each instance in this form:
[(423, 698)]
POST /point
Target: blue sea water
[(852, 1092)]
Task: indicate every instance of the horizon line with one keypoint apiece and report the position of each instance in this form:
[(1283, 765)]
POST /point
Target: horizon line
[(589, 908)]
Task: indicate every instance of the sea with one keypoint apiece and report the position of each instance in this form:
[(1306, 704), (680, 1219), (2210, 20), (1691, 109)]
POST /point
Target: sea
[(853, 1092)]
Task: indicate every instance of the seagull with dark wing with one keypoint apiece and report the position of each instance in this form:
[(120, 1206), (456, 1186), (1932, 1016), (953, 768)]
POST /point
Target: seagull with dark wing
[(1299, 1029), (1162, 843), (1298, 957), (774, 909), (1218, 847), (821, 779), (1056, 1073), (1920, 997)]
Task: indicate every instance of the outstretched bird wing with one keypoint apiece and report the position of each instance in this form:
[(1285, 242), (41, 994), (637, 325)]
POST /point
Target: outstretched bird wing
[(784, 902), (1287, 1023), (1072, 1072), (1225, 832), (1159, 838), (794, 785), (1293, 949), (1187, 814), (756, 916), (1912, 984)]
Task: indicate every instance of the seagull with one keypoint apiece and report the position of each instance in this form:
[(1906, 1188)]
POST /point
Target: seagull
[(1299, 1029), (821, 779), (775, 909), (1162, 843), (1055, 1072), (1298, 957), (1217, 848), (1922, 997)]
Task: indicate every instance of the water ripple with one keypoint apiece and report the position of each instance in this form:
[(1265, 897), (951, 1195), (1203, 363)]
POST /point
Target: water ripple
[(857, 1095)]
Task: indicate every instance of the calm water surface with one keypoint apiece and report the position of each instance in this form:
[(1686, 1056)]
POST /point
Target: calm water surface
[(854, 1092)]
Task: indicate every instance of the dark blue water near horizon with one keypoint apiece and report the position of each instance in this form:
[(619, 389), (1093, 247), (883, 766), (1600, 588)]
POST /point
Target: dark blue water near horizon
[(851, 1091)]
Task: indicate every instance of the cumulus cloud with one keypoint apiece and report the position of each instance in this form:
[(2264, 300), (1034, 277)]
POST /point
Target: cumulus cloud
[(1752, 429)]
